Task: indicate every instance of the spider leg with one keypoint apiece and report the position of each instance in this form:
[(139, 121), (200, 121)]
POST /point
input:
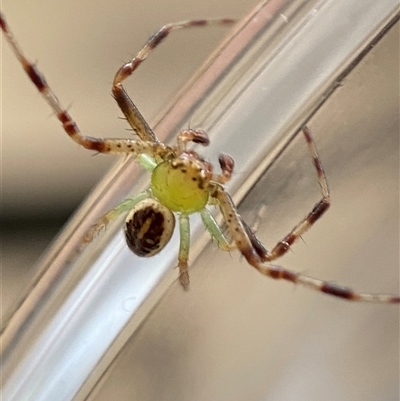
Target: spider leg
[(319, 209), (184, 245), (130, 111), (123, 207), (254, 252), (147, 146), (215, 231)]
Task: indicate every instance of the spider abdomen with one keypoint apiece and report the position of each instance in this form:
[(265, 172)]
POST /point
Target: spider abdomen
[(181, 185), (149, 227)]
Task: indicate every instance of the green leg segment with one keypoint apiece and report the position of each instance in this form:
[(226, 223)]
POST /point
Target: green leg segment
[(184, 245), (215, 231), (123, 207)]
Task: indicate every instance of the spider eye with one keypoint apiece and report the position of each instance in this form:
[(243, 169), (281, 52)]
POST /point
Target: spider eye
[(149, 227)]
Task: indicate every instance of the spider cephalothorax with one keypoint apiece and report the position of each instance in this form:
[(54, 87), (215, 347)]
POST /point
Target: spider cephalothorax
[(181, 182), (184, 183)]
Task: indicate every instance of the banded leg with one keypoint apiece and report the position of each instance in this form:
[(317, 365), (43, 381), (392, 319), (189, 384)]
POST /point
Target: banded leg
[(316, 213), (126, 146), (252, 249), (130, 111), (184, 245), (123, 207), (319, 209)]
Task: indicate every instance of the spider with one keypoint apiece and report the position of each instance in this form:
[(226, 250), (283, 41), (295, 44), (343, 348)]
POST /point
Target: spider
[(184, 183)]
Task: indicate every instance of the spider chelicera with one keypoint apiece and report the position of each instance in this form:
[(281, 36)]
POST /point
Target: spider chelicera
[(183, 183)]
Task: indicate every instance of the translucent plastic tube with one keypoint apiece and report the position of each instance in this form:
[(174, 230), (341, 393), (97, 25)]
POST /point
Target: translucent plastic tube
[(266, 79)]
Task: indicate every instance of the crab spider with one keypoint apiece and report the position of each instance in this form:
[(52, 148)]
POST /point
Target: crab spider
[(184, 183)]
